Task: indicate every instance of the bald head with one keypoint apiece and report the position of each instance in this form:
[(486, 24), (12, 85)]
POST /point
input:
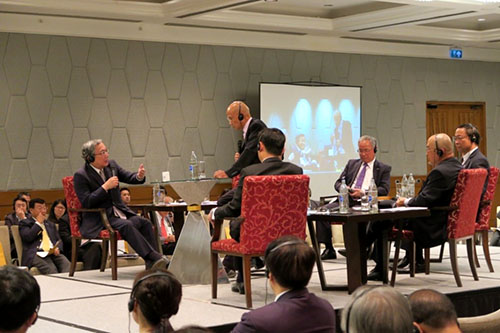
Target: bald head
[(439, 148), (433, 311), (237, 114)]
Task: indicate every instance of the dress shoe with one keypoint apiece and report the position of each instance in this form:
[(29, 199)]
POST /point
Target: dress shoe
[(342, 252), (328, 254), (231, 274), (375, 275), (257, 263), (419, 268), (403, 263), (238, 287), (163, 262)]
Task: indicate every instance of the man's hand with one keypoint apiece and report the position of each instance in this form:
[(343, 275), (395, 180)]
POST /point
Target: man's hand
[(236, 156), (210, 215), (56, 251), (111, 183), (20, 213), (220, 174), (141, 172), (400, 202), (170, 238), (356, 193), (40, 218)]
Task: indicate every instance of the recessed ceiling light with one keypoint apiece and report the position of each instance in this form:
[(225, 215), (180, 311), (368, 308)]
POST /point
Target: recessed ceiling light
[(482, 19)]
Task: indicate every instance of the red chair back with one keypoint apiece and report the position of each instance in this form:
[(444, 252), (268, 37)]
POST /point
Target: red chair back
[(466, 197), (234, 181), (483, 219), (72, 202), (273, 206)]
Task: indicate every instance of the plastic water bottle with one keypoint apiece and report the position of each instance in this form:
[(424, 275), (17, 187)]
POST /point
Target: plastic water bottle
[(343, 198), (156, 189), (411, 186), (193, 166), (404, 186), (373, 197)]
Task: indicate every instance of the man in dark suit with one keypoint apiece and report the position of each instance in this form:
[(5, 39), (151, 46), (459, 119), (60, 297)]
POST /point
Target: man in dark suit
[(96, 185), (42, 245), (289, 262), (239, 118), (20, 207), (358, 175), (436, 191), (271, 147)]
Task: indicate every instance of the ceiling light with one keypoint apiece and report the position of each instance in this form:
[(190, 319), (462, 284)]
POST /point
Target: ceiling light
[(482, 19)]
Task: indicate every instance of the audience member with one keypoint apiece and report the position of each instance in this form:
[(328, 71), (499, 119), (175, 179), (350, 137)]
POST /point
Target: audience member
[(125, 195), (20, 207), (42, 245), (358, 174), (167, 234), (271, 148), (155, 297), (289, 262), (96, 185), (377, 310), (25, 195), (19, 300), (89, 252), (433, 312)]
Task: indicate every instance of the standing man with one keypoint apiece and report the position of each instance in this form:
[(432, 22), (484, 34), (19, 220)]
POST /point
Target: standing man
[(239, 118), (271, 148), (358, 175), (96, 185)]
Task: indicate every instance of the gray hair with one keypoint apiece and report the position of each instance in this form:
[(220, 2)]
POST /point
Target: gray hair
[(88, 149), (377, 310), (372, 140)]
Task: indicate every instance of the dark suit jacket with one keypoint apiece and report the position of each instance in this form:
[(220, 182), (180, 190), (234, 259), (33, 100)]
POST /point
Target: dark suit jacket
[(381, 174), (88, 188), (248, 151), (65, 233), (271, 166), (436, 191), (295, 311), (478, 160), (31, 235)]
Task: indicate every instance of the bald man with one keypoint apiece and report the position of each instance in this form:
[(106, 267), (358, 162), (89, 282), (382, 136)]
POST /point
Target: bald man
[(239, 118), (436, 190)]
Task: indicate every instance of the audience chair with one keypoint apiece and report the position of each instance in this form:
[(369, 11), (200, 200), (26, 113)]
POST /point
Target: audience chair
[(108, 234), (488, 323), (5, 241), (483, 218), (271, 207), (18, 243), (461, 222)]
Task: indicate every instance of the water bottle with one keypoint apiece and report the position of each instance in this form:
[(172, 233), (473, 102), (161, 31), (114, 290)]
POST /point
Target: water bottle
[(373, 197), (404, 186), (193, 166), (343, 198), (156, 189), (411, 186)]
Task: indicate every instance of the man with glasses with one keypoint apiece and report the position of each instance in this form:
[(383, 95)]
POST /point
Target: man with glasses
[(358, 174), (96, 185)]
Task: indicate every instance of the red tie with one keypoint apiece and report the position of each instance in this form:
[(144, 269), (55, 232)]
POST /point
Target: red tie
[(164, 230)]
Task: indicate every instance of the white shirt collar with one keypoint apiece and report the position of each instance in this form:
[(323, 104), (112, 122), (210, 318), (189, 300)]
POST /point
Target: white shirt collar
[(96, 170), (280, 294), (245, 128), (466, 156)]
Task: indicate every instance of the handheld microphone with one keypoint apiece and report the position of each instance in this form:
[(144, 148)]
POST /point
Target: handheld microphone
[(240, 145), (113, 171)]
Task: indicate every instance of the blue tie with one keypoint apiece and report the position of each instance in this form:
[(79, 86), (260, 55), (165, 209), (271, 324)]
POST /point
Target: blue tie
[(361, 177)]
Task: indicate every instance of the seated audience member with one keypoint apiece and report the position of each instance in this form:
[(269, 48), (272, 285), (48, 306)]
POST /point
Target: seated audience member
[(433, 312), (125, 195), (89, 252), (289, 262), (271, 148), (19, 300), (167, 234), (377, 310), (20, 207), (358, 174), (42, 245), (155, 297), (25, 195)]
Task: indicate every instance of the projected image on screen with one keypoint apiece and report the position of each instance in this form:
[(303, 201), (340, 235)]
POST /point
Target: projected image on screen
[(322, 126)]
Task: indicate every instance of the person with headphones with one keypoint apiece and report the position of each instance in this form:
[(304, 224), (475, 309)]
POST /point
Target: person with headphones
[(19, 299), (289, 261), (239, 118), (155, 297), (271, 146), (358, 174), (96, 185)]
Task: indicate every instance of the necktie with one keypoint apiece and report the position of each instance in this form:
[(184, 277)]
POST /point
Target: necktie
[(462, 160), (361, 177), (164, 234), (45, 240), (101, 173)]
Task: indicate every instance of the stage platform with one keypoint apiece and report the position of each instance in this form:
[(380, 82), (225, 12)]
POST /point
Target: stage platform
[(92, 302)]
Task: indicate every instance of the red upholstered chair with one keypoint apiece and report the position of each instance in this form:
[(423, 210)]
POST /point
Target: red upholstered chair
[(271, 206), (106, 235), (483, 219), (235, 180)]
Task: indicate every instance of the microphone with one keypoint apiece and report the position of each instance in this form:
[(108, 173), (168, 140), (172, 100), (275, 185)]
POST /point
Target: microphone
[(240, 144), (113, 171)]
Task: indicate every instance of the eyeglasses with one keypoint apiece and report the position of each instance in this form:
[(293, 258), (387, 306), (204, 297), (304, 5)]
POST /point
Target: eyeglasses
[(102, 152), (455, 138), (364, 150)]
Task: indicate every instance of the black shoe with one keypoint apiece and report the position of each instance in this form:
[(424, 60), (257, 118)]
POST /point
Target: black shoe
[(342, 252), (163, 262), (257, 263), (403, 262), (375, 275), (419, 268), (238, 287), (328, 254)]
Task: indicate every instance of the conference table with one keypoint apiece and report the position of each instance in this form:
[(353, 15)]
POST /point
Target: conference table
[(354, 225)]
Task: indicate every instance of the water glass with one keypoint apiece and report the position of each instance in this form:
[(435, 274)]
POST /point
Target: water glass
[(159, 198), (399, 190), (365, 202), (201, 169)]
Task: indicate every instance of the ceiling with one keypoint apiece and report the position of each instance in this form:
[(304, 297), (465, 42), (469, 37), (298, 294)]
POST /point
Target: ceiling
[(393, 27)]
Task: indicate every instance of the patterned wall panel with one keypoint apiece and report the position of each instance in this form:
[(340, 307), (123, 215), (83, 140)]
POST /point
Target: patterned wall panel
[(154, 103)]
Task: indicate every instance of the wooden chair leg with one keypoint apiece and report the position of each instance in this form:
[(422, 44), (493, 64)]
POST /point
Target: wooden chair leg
[(427, 252), (74, 256), (476, 259), (470, 254), (246, 280), (411, 256), (114, 261), (453, 259), (104, 257), (486, 250), (215, 268)]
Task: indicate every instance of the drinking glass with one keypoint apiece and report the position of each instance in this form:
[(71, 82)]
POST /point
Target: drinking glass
[(365, 202), (201, 169)]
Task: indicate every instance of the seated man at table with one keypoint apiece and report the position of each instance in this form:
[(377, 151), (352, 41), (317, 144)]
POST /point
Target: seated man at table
[(271, 148), (358, 174), (436, 190), (289, 262)]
